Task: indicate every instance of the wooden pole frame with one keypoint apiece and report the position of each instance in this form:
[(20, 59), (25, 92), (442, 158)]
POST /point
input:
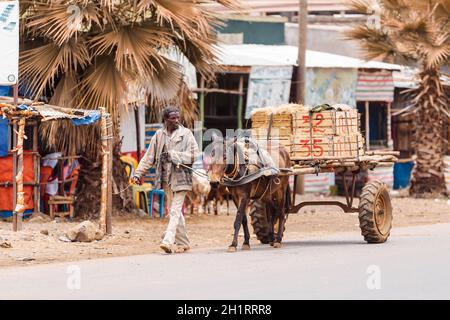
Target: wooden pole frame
[(106, 195), (37, 171), (366, 105), (202, 110), (301, 58), (390, 142), (19, 207), (110, 170), (240, 101)]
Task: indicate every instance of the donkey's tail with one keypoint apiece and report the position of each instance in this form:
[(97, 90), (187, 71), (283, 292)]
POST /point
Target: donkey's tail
[(287, 202)]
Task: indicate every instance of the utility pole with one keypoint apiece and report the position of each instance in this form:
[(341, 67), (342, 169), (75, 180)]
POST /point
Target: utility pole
[(302, 33), (299, 181)]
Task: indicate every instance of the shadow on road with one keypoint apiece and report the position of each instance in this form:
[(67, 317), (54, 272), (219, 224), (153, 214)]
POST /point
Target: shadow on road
[(295, 245), (321, 243)]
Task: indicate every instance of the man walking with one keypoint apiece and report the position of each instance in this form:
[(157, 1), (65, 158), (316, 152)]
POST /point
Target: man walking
[(171, 150)]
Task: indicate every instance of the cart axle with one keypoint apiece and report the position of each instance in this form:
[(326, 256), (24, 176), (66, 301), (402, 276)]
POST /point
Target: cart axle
[(346, 208)]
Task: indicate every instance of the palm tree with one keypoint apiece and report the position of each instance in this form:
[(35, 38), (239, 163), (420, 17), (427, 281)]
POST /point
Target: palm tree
[(88, 54), (417, 32)]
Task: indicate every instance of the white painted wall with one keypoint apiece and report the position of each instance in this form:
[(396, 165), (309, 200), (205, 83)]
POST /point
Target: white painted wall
[(128, 130), (324, 38)]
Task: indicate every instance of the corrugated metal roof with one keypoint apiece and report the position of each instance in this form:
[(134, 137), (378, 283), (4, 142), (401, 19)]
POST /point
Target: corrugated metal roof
[(271, 55), (408, 77), (284, 6)]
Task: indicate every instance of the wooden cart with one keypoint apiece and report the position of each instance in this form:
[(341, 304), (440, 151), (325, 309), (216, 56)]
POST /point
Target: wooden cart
[(374, 208)]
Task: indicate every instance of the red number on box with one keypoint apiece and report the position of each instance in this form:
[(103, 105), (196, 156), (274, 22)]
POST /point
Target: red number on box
[(305, 121), (305, 144), (318, 150), (319, 117)]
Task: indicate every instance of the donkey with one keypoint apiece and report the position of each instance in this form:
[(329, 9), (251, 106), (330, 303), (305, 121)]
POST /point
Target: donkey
[(232, 167)]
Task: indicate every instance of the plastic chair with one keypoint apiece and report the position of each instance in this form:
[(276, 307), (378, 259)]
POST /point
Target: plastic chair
[(160, 194), (130, 163), (140, 195)]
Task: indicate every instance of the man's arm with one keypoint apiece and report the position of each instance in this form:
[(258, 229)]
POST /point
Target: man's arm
[(189, 155), (148, 160)]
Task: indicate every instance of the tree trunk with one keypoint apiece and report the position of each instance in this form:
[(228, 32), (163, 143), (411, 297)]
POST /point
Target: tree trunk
[(88, 194), (429, 140), (122, 192)]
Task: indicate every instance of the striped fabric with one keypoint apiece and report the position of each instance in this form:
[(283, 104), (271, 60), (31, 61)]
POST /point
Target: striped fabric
[(319, 183), (385, 174), (375, 86)]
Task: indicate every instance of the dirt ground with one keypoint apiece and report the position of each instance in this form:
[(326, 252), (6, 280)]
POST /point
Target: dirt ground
[(134, 235)]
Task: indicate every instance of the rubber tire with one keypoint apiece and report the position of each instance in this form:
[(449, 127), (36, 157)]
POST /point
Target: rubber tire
[(259, 222), (370, 229)]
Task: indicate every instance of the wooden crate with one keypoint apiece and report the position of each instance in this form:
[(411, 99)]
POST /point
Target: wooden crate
[(303, 147), (276, 132), (326, 122), (275, 143)]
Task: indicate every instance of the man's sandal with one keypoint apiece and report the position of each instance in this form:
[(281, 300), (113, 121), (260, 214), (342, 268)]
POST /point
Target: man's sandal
[(166, 247), (181, 249)]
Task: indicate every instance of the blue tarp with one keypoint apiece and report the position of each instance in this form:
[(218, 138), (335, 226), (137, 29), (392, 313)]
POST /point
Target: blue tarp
[(8, 214), (89, 119), (4, 137), (5, 91)]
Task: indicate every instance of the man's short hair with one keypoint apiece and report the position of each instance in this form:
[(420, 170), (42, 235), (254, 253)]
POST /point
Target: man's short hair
[(168, 110)]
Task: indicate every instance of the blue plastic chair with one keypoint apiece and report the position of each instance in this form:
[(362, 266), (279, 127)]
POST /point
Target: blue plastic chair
[(160, 194)]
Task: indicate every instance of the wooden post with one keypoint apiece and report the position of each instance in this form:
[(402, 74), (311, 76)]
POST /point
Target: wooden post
[(302, 34), (14, 152), (19, 208), (241, 102), (109, 206), (390, 142), (105, 162), (202, 111), (366, 103), (37, 171), (138, 133)]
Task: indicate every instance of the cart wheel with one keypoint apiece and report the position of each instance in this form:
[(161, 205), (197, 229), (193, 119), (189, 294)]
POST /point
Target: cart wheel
[(259, 222), (375, 212)]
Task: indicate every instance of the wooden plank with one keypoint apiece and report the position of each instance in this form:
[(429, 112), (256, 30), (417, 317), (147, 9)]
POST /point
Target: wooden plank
[(366, 105), (274, 132), (104, 179), (327, 146), (212, 90), (109, 205), (37, 171), (14, 151), (240, 102), (20, 204)]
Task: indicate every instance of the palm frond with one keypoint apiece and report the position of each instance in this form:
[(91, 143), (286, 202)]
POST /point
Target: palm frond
[(165, 83), (104, 86), (66, 92), (41, 65), (361, 6), (133, 46)]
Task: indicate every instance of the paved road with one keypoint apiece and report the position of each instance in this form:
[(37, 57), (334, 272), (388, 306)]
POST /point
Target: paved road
[(413, 264)]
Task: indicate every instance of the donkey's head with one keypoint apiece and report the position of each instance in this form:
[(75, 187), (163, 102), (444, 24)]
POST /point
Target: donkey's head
[(216, 160)]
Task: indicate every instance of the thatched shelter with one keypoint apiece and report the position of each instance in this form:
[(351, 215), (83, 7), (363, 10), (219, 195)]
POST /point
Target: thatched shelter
[(22, 111)]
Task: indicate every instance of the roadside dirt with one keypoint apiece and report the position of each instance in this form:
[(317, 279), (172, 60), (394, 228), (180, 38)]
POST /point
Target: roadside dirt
[(135, 236)]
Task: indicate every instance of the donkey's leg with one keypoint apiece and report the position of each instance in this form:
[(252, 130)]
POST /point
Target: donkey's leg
[(237, 223), (271, 214), (246, 244), (281, 221)]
